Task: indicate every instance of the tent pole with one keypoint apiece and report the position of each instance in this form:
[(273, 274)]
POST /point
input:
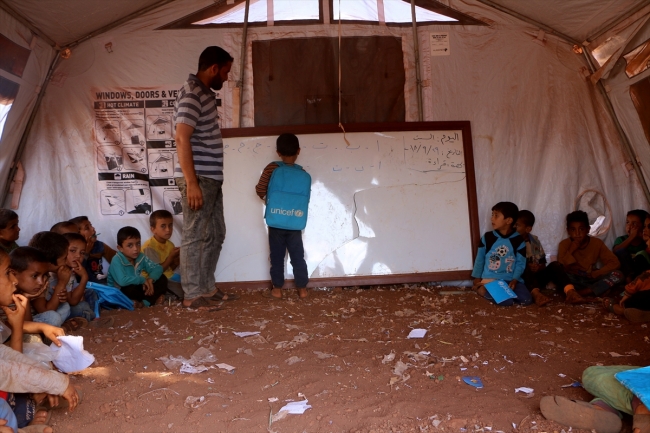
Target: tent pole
[(416, 52), (28, 127), (617, 21), (242, 63), (626, 142), (21, 19)]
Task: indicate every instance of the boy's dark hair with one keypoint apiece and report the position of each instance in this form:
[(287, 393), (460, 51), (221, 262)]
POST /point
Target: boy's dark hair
[(52, 245), (6, 216), (214, 56), (74, 237), (287, 144), (639, 213), (526, 217), (158, 215), (61, 226), (78, 220), (21, 257), (507, 209), (577, 216), (126, 233)]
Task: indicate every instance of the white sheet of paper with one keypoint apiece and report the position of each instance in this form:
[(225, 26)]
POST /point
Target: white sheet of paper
[(417, 333), (246, 334), (226, 367), (71, 356), (525, 390), (296, 407)]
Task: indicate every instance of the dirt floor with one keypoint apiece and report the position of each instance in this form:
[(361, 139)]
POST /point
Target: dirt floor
[(331, 349)]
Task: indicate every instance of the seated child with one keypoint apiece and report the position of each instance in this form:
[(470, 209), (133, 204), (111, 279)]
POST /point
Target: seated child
[(20, 374), (281, 240), (580, 255), (95, 250), (603, 413), (501, 255), (64, 227), (159, 249), (628, 246), (538, 274), (81, 300), (31, 268), (9, 230), (127, 268)]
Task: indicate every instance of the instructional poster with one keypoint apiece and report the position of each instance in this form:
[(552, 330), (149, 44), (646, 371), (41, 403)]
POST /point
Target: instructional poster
[(136, 152)]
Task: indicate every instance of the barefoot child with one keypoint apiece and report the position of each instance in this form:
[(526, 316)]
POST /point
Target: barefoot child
[(9, 230), (18, 373), (159, 249), (502, 256), (127, 268), (580, 255), (285, 231), (95, 250), (538, 274)]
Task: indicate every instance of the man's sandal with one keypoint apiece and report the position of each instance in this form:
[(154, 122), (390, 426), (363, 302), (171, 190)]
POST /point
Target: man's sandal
[(219, 295)]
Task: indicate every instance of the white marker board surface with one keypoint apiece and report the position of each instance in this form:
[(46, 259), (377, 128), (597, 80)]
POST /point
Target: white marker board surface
[(389, 207)]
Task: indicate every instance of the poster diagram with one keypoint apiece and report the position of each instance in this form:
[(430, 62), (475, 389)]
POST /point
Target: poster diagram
[(136, 152)]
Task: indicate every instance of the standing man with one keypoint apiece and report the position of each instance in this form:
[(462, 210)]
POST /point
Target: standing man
[(199, 176)]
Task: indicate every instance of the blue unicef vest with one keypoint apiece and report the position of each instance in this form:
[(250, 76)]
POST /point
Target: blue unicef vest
[(287, 197)]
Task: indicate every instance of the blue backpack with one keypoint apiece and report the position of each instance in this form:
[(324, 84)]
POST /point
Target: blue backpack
[(287, 197)]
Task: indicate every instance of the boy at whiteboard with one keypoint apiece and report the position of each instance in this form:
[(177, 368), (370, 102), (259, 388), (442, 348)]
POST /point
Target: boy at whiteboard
[(286, 187), (502, 256)]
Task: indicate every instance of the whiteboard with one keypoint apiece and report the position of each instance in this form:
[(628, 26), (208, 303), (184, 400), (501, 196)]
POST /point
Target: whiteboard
[(388, 206)]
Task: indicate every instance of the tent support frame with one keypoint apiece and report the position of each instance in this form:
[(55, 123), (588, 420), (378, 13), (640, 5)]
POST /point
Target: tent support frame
[(21, 19), (28, 127), (242, 64), (416, 53), (608, 103)]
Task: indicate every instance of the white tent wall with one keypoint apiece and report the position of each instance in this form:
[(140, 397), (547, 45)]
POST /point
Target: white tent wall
[(540, 130), (30, 83)]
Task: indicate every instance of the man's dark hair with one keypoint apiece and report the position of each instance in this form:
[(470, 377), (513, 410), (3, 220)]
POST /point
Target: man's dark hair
[(158, 215), (526, 217), (127, 232), (214, 56), (7, 216), (63, 226), (53, 245), (639, 213), (78, 220), (21, 257), (577, 216), (507, 209), (287, 144), (74, 237)]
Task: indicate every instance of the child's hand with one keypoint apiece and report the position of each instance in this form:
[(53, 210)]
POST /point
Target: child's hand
[(64, 273), (79, 270), (53, 400), (623, 299), (63, 296), (634, 231), (70, 394), (4, 428), (512, 284), (52, 333), (148, 287), (16, 317), (176, 252)]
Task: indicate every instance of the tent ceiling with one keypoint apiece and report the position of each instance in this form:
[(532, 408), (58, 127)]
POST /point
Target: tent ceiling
[(579, 19), (65, 21)]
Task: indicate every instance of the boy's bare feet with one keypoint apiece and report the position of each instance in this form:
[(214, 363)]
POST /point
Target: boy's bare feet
[(276, 293), (573, 297), (613, 307), (41, 417), (481, 290), (540, 298), (302, 292), (138, 304)]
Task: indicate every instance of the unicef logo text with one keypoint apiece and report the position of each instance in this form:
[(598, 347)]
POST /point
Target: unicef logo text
[(293, 212)]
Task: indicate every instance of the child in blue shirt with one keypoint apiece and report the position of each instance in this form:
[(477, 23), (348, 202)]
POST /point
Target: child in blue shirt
[(502, 256), (129, 265)]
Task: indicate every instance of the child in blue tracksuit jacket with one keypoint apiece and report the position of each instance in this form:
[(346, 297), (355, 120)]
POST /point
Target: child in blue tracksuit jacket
[(502, 256), (133, 273)]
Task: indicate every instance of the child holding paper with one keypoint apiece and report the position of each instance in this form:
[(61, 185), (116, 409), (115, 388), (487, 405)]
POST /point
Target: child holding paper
[(502, 256)]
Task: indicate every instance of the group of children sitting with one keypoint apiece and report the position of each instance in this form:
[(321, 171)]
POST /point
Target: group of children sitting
[(43, 291), (585, 268)]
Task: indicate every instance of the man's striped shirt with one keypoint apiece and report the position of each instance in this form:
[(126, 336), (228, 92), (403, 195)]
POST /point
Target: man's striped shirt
[(196, 106)]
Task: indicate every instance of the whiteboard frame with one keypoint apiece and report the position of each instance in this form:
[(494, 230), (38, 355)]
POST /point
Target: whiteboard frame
[(366, 280)]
